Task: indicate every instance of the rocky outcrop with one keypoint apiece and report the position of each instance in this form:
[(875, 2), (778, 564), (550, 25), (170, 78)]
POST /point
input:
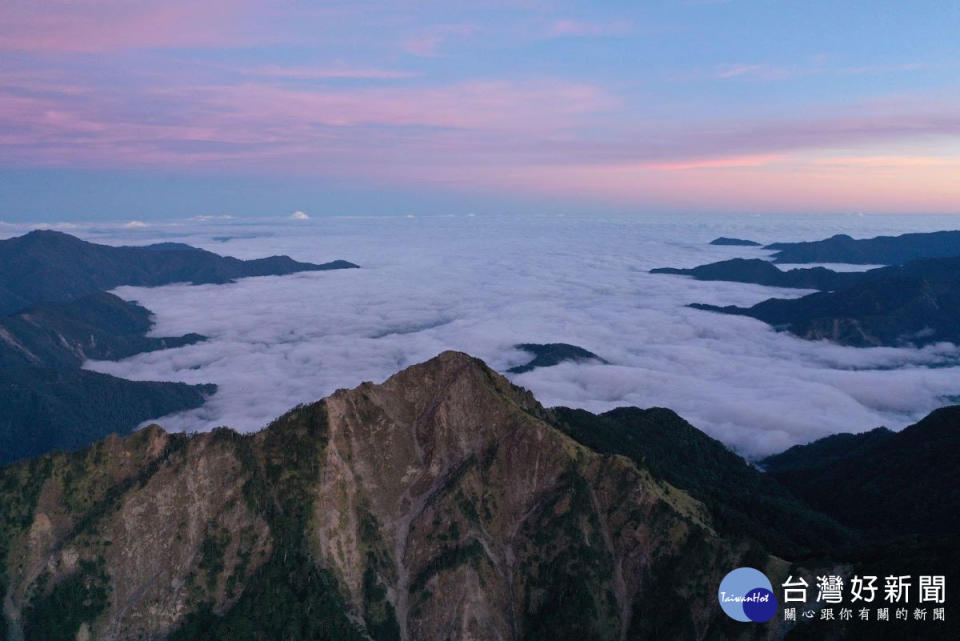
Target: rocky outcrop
[(135, 520)]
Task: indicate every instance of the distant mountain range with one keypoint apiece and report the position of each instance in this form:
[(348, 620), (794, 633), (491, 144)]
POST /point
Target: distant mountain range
[(763, 272), (915, 303), (56, 316), (892, 308), (841, 248), (50, 266), (882, 250), (734, 242), (446, 503)]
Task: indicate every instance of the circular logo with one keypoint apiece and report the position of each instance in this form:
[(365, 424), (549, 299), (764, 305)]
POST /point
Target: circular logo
[(746, 595)]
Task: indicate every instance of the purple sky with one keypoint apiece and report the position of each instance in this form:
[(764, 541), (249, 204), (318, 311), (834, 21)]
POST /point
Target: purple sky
[(151, 108)]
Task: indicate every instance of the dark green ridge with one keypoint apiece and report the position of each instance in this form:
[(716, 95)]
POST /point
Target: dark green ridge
[(882, 250), (887, 484), (52, 266), (99, 326), (44, 409), (550, 354), (742, 498), (895, 311)]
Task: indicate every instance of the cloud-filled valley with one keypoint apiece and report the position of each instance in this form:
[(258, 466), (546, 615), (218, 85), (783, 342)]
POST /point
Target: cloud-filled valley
[(484, 283)]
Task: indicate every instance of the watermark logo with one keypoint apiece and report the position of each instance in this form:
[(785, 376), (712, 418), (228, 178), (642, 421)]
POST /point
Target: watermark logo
[(747, 595)]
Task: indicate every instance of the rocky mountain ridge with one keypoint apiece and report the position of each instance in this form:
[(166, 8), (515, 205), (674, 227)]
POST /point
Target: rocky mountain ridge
[(439, 504), (444, 503)]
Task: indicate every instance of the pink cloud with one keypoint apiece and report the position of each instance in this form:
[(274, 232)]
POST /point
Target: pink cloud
[(427, 43), (108, 25), (789, 186), (733, 71), (423, 46), (729, 162), (552, 138), (569, 27), (500, 122), (339, 71), (283, 124), (492, 105), (889, 162), (820, 68), (496, 122)]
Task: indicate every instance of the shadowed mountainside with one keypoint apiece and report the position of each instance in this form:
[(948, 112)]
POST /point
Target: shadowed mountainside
[(550, 354), (50, 266), (48, 403), (882, 250), (763, 272), (916, 303), (99, 326), (672, 449), (883, 483), (44, 409), (54, 316), (886, 311), (824, 451)]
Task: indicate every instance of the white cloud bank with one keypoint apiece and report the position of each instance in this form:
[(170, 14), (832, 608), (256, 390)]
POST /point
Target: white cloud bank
[(481, 284), (299, 215)]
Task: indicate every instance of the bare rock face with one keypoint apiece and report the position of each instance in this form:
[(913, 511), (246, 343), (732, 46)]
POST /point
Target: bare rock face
[(441, 504), (133, 519), (477, 511)]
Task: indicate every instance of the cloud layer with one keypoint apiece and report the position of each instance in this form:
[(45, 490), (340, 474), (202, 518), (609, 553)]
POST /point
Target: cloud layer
[(481, 284)]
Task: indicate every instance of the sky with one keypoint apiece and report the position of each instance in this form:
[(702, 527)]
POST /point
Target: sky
[(152, 109)]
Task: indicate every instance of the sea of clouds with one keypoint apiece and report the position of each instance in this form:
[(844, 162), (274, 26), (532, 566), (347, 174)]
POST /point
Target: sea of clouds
[(484, 283)]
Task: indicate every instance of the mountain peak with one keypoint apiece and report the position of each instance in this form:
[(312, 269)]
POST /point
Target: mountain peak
[(451, 384), (440, 371), (46, 235), (941, 423), (438, 504), (447, 360)]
